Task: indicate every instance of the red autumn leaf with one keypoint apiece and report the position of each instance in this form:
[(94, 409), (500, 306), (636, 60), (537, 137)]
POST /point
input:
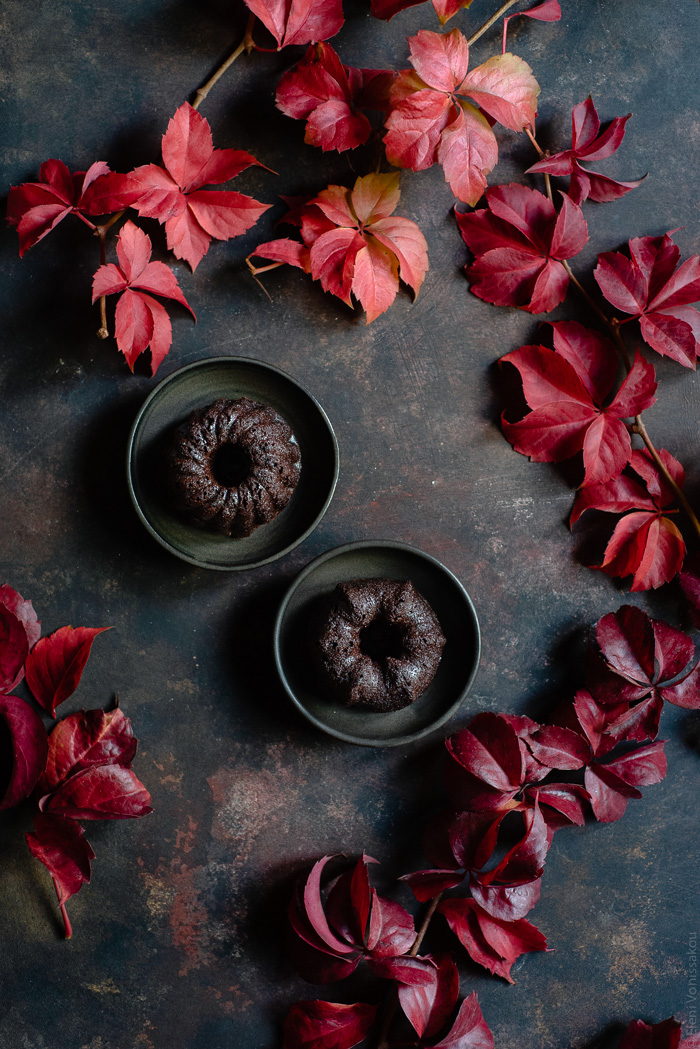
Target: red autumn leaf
[(470, 1030), (650, 288), (664, 1035), (588, 144), (431, 121), (327, 1025), (490, 942), (519, 241), (101, 792), (525, 861), (140, 320), (331, 96), (428, 989), (445, 9), (329, 938), (354, 245), (549, 11), (561, 804), (613, 783), (26, 748), (60, 844), (648, 658), (559, 748), (56, 663), (298, 21), (173, 194), (36, 208), (19, 631), (85, 739), (646, 543), (487, 767), (566, 388)]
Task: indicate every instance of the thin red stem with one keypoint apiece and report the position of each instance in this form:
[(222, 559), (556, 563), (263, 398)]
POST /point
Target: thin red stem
[(64, 914)]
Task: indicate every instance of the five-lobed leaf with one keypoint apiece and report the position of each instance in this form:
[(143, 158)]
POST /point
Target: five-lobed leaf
[(140, 320)]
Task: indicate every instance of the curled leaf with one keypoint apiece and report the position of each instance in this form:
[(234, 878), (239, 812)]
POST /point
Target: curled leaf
[(26, 746), (56, 663)]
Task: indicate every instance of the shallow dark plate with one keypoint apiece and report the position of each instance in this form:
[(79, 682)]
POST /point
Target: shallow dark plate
[(196, 386), (449, 600)]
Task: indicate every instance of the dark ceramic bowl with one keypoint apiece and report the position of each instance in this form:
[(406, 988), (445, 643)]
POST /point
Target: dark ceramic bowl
[(449, 600), (196, 386)]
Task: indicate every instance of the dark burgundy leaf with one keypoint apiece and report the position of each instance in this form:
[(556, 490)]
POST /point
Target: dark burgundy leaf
[(470, 1030), (507, 902), (56, 663), (28, 747), (60, 844), (640, 1035), (13, 605), (85, 739), (426, 885), (490, 942), (103, 792), (327, 1025)]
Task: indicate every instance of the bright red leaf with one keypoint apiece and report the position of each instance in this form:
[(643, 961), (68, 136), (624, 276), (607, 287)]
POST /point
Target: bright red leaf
[(173, 194), (354, 245), (519, 241), (140, 320), (490, 942), (60, 844), (36, 208), (26, 747), (330, 97), (588, 144), (101, 792), (431, 120), (327, 1025), (646, 543), (85, 739), (566, 388), (549, 11), (298, 21), (56, 663), (650, 288), (470, 1030)]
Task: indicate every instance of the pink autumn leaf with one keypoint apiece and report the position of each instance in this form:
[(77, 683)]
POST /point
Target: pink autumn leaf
[(140, 320)]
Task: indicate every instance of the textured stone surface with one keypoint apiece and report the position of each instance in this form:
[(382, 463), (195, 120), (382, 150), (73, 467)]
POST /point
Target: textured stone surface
[(177, 939)]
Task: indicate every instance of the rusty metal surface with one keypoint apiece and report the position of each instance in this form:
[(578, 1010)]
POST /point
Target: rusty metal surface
[(178, 938)]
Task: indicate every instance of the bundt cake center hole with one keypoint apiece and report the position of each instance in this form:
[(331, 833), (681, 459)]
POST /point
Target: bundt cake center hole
[(381, 639), (231, 465)]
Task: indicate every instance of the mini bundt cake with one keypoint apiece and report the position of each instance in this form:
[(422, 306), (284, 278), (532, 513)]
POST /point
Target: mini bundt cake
[(376, 644), (233, 466)]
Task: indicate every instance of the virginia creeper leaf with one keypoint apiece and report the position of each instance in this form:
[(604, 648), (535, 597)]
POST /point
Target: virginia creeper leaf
[(327, 1025), (60, 844), (27, 748), (56, 663)]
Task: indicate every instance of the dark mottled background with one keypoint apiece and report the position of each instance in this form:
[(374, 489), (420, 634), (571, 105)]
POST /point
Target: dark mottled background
[(177, 942)]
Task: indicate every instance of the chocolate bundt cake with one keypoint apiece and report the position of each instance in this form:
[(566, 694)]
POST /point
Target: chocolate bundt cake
[(376, 643), (233, 466)]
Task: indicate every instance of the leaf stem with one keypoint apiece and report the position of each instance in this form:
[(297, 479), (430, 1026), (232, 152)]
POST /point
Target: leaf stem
[(246, 44), (64, 914), (639, 427), (383, 1040), (489, 22), (101, 232)]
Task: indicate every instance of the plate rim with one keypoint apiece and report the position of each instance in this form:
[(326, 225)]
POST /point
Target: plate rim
[(346, 737), (130, 460)]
